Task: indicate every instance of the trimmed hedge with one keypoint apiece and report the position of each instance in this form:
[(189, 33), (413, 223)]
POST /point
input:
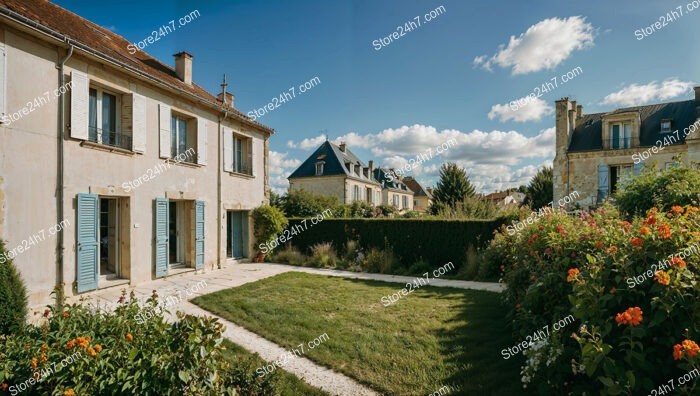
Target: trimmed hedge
[(435, 241)]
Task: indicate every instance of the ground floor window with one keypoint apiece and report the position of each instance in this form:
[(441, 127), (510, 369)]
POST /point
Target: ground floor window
[(619, 175)]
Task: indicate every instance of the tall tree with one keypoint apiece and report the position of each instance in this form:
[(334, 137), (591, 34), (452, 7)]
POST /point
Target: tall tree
[(540, 191), (452, 188)]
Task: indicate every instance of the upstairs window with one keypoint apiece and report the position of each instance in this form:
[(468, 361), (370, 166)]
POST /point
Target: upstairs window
[(396, 200), (666, 126), (620, 136), (242, 155), (103, 120), (319, 168)]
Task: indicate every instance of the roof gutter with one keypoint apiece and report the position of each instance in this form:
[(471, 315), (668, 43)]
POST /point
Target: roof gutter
[(27, 22)]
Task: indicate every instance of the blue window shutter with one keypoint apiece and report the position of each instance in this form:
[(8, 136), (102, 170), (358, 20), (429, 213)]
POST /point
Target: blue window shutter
[(199, 234), (638, 168), (615, 137), (88, 211), (245, 234), (603, 183), (161, 236)]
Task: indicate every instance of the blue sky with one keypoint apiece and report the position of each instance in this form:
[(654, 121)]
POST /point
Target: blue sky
[(443, 80)]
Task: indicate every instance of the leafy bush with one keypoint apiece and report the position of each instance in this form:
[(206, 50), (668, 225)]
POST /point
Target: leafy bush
[(13, 296), (470, 208), (289, 255), (269, 222), (323, 255), (78, 351), (679, 185), (627, 318), (302, 203), (381, 261), (540, 191), (411, 214)]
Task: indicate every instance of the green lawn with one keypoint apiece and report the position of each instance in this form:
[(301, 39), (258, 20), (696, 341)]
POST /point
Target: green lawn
[(288, 384), (430, 338)]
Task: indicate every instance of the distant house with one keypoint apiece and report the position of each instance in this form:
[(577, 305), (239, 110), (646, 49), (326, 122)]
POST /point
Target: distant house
[(596, 153), (422, 197), (334, 170), (394, 190), (505, 198)]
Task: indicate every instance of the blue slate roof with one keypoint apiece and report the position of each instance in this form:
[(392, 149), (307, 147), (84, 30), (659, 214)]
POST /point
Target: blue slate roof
[(390, 180), (335, 162)]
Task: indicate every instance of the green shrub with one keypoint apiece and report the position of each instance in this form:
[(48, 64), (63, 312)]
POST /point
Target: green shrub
[(302, 203), (132, 350), (470, 208), (411, 214), (381, 261), (679, 185), (471, 265), (289, 255), (13, 296), (419, 267), (323, 255), (269, 223)]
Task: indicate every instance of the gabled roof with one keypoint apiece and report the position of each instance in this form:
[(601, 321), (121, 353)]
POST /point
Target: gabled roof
[(390, 180), (416, 187), (89, 37), (588, 132), (335, 162)]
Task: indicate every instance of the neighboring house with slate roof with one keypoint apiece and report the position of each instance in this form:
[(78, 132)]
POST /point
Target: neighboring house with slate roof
[(596, 153), (394, 191), (123, 169), (334, 170), (422, 198)]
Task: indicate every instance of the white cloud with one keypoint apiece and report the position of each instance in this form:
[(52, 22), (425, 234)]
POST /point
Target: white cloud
[(544, 45), (521, 110), (307, 143), (636, 94), (280, 168)]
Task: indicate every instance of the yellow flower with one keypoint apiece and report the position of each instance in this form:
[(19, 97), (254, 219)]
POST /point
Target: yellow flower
[(69, 392), (98, 347)]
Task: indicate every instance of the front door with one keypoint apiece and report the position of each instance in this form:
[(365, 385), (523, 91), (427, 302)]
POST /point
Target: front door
[(235, 234)]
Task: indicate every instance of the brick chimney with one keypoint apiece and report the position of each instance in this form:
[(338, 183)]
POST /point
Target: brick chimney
[(229, 99), (371, 165), (564, 125), (342, 146), (183, 66)]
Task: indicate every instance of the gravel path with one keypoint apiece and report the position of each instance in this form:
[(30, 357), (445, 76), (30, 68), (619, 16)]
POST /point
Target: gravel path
[(177, 290)]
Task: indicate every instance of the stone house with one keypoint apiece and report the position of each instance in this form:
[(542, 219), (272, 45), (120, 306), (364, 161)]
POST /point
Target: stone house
[(597, 153), (335, 171), (422, 197), (394, 191), (116, 168)]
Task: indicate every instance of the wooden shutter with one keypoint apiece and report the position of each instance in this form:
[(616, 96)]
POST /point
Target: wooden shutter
[(164, 119), (199, 234), (201, 141), (79, 107), (250, 158), (603, 182), (138, 122), (161, 236), (228, 150), (87, 255)]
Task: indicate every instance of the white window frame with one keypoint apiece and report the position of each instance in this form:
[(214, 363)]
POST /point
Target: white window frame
[(670, 125), (625, 135), (624, 173), (404, 201), (99, 91), (319, 168), (395, 200), (176, 133)]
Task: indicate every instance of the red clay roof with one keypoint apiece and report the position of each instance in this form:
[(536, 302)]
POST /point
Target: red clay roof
[(111, 45)]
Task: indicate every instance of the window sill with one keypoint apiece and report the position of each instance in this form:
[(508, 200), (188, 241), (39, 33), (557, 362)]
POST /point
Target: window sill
[(243, 175), (183, 163), (105, 147)]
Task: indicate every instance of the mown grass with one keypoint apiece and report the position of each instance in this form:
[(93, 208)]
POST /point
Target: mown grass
[(433, 337)]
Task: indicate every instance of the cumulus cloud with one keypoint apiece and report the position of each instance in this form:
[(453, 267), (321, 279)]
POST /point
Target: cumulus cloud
[(280, 168), (521, 110), (544, 45), (307, 143), (637, 94)]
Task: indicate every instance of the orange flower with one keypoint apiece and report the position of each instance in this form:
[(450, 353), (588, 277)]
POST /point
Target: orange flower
[(599, 244), (573, 273), (651, 220), (43, 358), (662, 277), (677, 352), (65, 314), (691, 348), (677, 209), (98, 347), (612, 249), (91, 352), (3, 387), (70, 344), (129, 337), (632, 316), (665, 230), (44, 348), (677, 261), (34, 363), (69, 392), (636, 241), (644, 231)]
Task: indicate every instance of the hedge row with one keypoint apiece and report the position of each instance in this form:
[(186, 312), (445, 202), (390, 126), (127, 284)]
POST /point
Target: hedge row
[(435, 241)]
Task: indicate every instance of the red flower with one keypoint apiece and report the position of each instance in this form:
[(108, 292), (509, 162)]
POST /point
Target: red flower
[(677, 261), (636, 241), (559, 228), (573, 273)]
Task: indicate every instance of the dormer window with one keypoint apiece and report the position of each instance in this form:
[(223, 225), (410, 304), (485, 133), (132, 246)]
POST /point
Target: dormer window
[(666, 126), (620, 135), (319, 168)]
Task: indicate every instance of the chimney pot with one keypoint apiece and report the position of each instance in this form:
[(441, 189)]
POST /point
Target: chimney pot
[(183, 66)]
